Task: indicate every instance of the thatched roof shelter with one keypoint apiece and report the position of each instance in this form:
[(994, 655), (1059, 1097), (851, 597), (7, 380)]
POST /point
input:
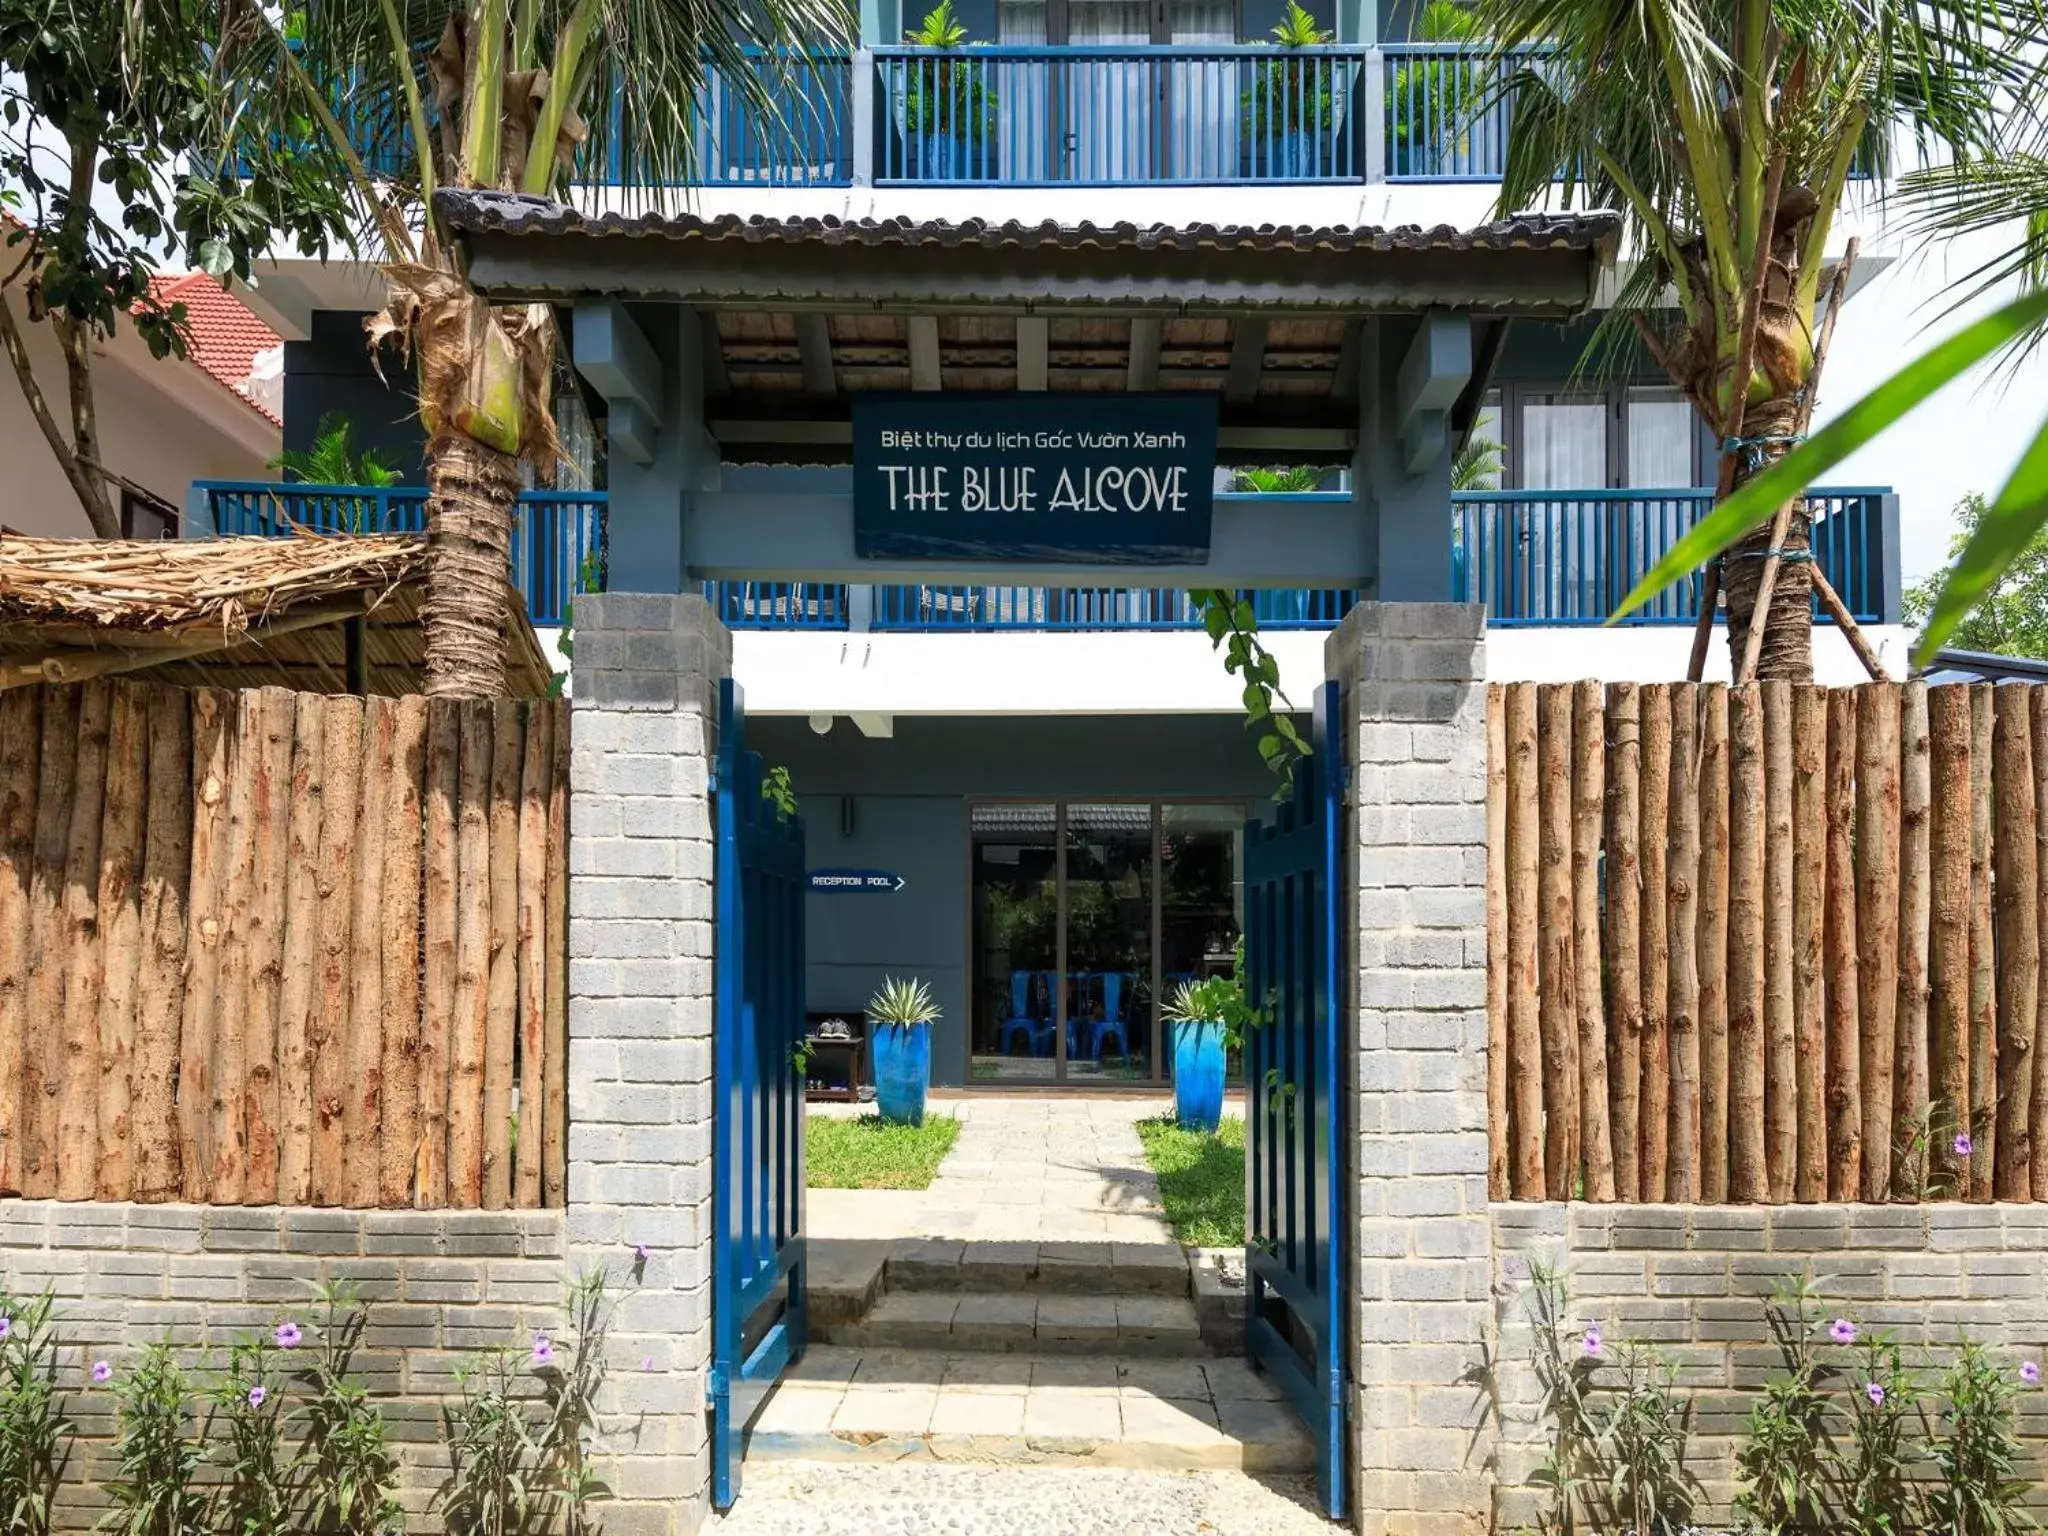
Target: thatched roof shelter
[(318, 614)]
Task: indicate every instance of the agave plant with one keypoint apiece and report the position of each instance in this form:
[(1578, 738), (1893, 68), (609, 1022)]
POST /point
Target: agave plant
[(903, 1002)]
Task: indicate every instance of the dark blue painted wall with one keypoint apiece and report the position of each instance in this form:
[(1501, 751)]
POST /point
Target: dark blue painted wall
[(910, 797), (331, 372)]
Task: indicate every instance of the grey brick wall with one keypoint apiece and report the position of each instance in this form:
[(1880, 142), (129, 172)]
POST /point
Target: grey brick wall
[(1695, 1280), (1415, 741), (644, 731), (439, 1287)]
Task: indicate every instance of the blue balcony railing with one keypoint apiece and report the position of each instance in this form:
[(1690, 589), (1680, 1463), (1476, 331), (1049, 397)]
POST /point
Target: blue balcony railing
[(923, 608), (557, 536), (792, 126), (1120, 116), (1447, 114), (1570, 557)]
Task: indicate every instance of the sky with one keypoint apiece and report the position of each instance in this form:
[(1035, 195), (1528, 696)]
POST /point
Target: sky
[(1965, 439)]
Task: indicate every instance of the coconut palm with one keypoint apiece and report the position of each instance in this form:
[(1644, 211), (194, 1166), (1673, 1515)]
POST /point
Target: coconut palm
[(512, 95), (1727, 132)]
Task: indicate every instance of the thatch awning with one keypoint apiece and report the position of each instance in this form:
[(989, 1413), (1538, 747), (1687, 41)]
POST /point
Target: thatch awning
[(303, 612)]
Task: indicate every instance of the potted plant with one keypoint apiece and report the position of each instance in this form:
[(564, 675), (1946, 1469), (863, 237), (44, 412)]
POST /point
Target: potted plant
[(948, 108), (1435, 95), (1291, 105), (901, 1016), (1208, 1019)]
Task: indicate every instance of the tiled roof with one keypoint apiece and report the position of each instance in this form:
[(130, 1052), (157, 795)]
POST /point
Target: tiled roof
[(471, 212), (221, 334)]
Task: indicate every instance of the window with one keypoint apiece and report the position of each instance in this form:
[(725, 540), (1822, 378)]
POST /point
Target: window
[(1643, 437), (144, 517)]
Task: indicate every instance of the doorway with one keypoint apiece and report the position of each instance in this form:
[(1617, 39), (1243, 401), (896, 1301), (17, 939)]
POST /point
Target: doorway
[(1085, 916)]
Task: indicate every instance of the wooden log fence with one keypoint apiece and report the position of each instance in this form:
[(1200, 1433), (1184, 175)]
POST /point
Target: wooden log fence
[(263, 948), (1763, 944)]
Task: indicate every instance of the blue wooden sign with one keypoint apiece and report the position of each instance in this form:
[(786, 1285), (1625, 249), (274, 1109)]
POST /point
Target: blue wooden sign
[(1091, 479), (857, 881)]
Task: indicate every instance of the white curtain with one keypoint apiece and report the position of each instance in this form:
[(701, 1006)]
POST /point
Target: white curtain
[(1027, 147), (1111, 113), (1203, 96)]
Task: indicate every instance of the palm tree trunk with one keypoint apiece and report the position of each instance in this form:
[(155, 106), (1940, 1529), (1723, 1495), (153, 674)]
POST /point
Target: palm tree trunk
[(471, 491), (1787, 650)]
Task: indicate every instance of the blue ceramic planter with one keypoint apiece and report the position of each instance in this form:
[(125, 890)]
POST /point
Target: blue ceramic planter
[(1198, 1075), (902, 1070)]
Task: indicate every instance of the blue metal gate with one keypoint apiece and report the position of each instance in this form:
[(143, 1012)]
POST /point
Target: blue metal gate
[(1295, 1115), (758, 1270)]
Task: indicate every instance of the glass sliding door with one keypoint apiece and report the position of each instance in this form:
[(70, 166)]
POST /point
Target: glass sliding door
[(1085, 916), (1109, 941), (1014, 979)]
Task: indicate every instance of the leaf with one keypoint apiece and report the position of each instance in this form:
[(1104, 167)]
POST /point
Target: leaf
[(1890, 401), (2005, 529)]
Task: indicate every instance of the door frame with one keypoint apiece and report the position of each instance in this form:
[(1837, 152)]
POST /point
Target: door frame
[(1156, 806)]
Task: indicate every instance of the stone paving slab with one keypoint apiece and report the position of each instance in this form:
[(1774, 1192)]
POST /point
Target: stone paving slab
[(862, 1406), (852, 1499), (1022, 1322)]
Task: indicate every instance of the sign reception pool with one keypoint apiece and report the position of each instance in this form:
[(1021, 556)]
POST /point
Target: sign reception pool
[(858, 881), (1087, 478)]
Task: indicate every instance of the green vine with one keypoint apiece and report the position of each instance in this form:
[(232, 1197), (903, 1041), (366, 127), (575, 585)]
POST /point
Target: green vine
[(777, 790), (1233, 628)]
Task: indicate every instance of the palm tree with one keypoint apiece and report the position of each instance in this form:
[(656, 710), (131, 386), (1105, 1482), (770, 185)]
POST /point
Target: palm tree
[(511, 95), (1728, 135)]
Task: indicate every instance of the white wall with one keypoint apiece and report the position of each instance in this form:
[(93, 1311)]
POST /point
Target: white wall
[(163, 424)]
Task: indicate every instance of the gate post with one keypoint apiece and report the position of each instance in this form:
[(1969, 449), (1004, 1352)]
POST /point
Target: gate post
[(644, 734), (1414, 716)]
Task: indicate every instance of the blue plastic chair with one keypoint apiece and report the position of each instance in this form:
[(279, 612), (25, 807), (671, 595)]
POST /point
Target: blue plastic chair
[(1112, 1025), (1020, 1021)]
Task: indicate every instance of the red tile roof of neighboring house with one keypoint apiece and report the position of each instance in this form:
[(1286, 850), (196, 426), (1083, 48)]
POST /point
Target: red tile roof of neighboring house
[(221, 335)]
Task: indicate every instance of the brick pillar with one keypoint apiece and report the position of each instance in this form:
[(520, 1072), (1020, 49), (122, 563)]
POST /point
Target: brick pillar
[(645, 723), (1415, 721)]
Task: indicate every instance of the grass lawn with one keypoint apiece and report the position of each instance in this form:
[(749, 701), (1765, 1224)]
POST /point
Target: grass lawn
[(869, 1153), (1201, 1180)]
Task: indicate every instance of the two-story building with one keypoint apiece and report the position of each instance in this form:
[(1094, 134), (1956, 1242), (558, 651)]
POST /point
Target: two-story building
[(1103, 215)]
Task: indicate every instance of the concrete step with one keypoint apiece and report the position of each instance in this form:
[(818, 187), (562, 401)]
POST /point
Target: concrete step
[(1019, 1322), (1072, 1269), (1113, 1411)]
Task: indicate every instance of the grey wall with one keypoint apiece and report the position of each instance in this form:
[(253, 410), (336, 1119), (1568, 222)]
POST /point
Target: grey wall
[(331, 371), (910, 797)]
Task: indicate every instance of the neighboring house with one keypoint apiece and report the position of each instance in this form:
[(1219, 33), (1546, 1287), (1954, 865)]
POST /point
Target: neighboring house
[(164, 423)]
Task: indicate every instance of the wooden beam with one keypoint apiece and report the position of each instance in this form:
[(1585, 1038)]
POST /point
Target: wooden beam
[(76, 665), (814, 346), (713, 350), (1247, 358), (923, 332), (1344, 382), (1147, 331), (1033, 336)]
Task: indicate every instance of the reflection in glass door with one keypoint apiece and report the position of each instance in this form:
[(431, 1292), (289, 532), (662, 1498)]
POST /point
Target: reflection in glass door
[(1085, 915)]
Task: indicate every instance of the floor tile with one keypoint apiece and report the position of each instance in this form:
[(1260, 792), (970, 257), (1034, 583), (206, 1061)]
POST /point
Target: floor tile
[(799, 1408), (987, 1373), (1236, 1379), (825, 1363), (1170, 1421), (964, 1412), (1163, 1378), (1093, 1375), (1072, 1416), (885, 1410)]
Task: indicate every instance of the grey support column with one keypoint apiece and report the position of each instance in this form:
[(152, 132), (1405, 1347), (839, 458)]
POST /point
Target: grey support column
[(1414, 713), (644, 727)]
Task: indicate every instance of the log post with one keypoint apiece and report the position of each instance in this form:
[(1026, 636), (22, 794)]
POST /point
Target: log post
[(1653, 849), (1497, 1185), (437, 1026), (1809, 879), (399, 1132), (1713, 942), (118, 902), (1748, 1161), (1948, 720), (1682, 914), (1625, 934), (228, 1137), (2018, 873), (555, 1073), (341, 772), (1982, 1077), (45, 1026), (212, 731), (1910, 1166), (76, 1059), (501, 1026), (20, 756), (277, 713), (1844, 1042), (1781, 1041), (1877, 921), (362, 1113), (472, 959), (536, 764), (1589, 762), (299, 973), (160, 983), (1525, 1030)]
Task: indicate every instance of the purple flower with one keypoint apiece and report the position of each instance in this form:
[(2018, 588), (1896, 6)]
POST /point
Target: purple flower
[(102, 1372), (1842, 1331), (1876, 1395), (256, 1396), (543, 1349), (647, 1363), (288, 1335), (1964, 1145), (2030, 1373), (640, 1253), (6, 1327), (1593, 1340)]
